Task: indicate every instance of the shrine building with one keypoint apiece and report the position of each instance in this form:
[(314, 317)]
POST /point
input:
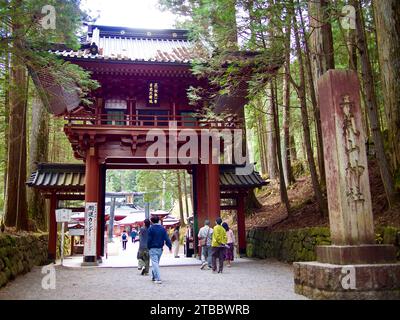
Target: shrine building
[(144, 78)]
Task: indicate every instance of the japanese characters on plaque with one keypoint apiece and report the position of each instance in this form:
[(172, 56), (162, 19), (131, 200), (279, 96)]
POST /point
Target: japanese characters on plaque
[(90, 229), (153, 93), (352, 140)]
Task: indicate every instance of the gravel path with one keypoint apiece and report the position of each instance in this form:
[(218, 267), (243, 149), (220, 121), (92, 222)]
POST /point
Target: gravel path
[(251, 279)]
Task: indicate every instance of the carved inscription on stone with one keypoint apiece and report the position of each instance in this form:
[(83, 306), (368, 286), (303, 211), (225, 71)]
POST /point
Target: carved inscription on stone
[(354, 169)]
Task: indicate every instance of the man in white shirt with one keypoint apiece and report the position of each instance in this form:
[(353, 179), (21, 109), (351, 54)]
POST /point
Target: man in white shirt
[(205, 238)]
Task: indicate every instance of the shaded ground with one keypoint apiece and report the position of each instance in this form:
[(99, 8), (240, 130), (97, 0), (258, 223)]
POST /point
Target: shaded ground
[(305, 212), (250, 279)]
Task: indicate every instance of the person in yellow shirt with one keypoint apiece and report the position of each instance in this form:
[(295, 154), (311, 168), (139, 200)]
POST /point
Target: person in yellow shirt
[(218, 245)]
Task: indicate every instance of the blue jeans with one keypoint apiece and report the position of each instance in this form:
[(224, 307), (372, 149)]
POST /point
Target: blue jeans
[(155, 255), (206, 254)]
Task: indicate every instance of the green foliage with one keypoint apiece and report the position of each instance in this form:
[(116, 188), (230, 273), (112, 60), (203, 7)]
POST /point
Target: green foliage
[(160, 186), (30, 42), (121, 180)]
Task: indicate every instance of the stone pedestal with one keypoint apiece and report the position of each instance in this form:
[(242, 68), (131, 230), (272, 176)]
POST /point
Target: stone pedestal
[(354, 267), (318, 280), (361, 254)]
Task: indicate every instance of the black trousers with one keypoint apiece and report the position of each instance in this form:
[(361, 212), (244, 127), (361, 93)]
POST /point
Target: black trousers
[(218, 253), (124, 244)]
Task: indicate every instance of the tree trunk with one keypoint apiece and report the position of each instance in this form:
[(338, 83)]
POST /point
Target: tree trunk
[(191, 192), (16, 206), (186, 195), (321, 39), (182, 218), (387, 21), (252, 202), (286, 161), (319, 58), (39, 142), (282, 185), (263, 136), (261, 141), (301, 91), (6, 113), (164, 190), (271, 142), (372, 108), (292, 147), (224, 26)]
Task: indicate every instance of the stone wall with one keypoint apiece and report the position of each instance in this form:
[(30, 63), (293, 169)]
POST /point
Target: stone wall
[(299, 244), (19, 253)]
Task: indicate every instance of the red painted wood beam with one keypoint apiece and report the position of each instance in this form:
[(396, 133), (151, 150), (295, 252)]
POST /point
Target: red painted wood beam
[(241, 224), (228, 195), (66, 196), (91, 186), (100, 213), (214, 200), (52, 244), (228, 207), (147, 166), (201, 194)]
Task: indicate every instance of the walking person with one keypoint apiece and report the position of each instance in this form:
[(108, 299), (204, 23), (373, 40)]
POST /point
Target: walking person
[(175, 240), (133, 234), (156, 238), (218, 245), (143, 252), (205, 239), (124, 239), (229, 252)]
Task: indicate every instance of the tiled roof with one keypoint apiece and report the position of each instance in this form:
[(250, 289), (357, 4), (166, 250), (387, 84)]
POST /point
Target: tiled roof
[(58, 176), (72, 176), (229, 179), (135, 45)]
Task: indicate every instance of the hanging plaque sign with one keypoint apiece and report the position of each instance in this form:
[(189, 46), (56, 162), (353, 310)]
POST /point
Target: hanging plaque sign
[(90, 228)]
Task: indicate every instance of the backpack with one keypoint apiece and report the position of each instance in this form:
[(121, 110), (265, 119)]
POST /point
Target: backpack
[(123, 236)]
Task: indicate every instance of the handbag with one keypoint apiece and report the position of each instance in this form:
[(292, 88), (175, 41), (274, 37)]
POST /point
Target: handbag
[(203, 242)]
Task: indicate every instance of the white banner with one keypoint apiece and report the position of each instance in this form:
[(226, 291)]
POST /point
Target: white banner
[(90, 229)]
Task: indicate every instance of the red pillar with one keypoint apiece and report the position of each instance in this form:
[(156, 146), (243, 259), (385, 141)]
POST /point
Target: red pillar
[(100, 211), (201, 194), (91, 195), (214, 201), (241, 223), (52, 244)]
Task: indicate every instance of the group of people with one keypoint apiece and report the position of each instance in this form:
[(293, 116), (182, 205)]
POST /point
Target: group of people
[(216, 243), (124, 237)]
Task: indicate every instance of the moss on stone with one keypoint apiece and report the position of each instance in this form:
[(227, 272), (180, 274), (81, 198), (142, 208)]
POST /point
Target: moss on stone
[(390, 235), (299, 245), (18, 253)]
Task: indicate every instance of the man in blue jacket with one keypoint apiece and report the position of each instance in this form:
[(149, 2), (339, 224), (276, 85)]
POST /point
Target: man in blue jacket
[(156, 238)]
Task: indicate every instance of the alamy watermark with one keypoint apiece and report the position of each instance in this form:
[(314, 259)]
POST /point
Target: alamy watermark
[(348, 280), (189, 146), (348, 21), (48, 21), (49, 279)]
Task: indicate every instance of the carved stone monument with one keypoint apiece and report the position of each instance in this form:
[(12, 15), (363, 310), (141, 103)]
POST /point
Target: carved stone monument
[(353, 267)]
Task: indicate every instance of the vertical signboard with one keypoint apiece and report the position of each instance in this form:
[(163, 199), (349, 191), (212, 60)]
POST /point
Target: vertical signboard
[(90, 229)]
